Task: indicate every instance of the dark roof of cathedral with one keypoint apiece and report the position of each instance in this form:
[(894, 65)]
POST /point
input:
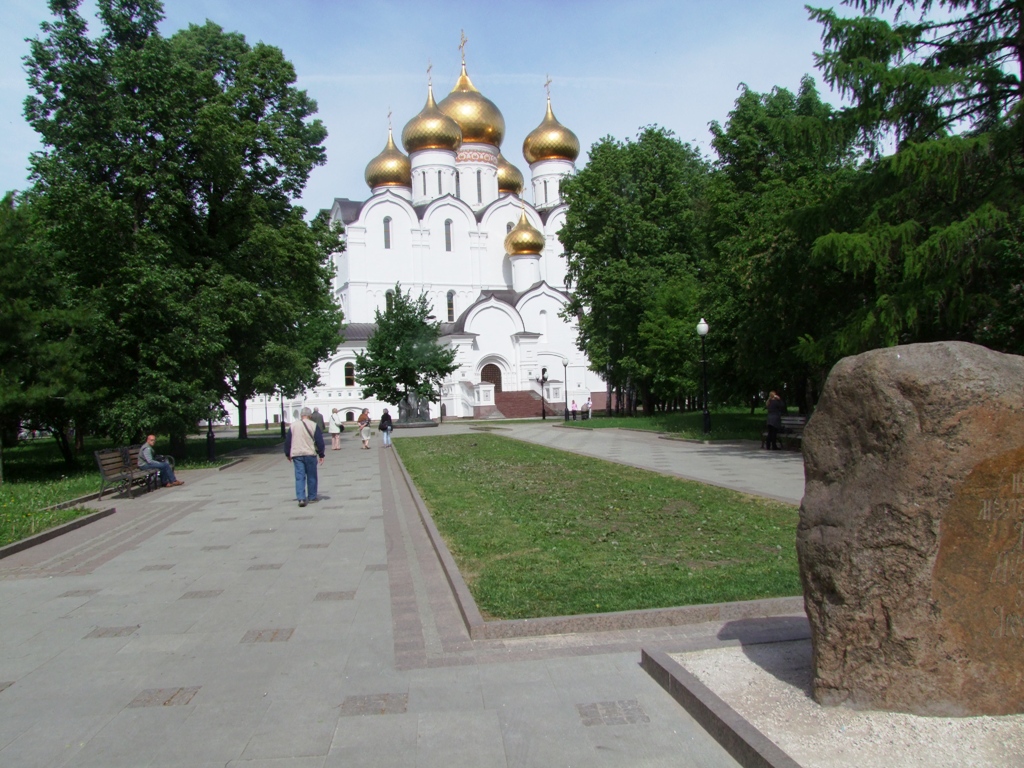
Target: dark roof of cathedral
[(358, 331), (350, 209)]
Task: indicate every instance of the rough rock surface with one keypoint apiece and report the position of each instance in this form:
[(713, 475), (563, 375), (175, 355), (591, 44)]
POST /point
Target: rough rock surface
[(911, 535)]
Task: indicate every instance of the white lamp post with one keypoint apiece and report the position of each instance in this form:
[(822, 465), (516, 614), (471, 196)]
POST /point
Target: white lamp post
[(702, 331)]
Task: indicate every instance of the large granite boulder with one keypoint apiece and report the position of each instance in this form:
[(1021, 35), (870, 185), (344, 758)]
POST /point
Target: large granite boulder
[(911, 536)]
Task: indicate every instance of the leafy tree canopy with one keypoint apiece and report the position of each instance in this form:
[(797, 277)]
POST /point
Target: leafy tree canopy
[(631, 228), (940, 221), (166, 185), (404, 360)]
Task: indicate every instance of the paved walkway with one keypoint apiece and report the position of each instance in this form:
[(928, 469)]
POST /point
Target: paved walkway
[(218, 624)]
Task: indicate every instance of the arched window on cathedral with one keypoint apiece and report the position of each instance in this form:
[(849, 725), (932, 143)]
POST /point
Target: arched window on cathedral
[(424, 183), (451, 306), (387, 233), (350, 374), (479, 186), (438, 182), (508, 227), (448, 234), (545, 190), (389, 300), (458, 185)]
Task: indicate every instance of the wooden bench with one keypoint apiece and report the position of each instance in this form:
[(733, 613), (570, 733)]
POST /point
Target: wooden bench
[(792, 431), (119, 468)]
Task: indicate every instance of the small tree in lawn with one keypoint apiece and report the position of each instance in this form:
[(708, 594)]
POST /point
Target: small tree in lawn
[(403, 363)]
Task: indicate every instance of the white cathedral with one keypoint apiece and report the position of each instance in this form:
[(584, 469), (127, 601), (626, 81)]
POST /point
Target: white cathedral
[(449, 220)]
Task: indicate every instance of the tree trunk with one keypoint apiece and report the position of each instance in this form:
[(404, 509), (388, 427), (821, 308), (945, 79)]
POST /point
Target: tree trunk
[(243, 427), (61, 436)]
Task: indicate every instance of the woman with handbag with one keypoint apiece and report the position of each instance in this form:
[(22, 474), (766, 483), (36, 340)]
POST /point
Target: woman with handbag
[(335, 426), (385, 426)]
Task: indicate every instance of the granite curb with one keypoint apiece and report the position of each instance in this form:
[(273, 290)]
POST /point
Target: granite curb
[(52, 533), (747, 745), (479, 629)]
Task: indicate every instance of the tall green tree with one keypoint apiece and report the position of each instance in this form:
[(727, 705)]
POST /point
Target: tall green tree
[(780, 155), (939, 225), (632, 229), (284, 324), (46, 376), (166, 182), (404, 363)]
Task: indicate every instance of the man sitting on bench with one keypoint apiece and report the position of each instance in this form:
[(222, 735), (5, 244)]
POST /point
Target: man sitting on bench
[(150, 460)]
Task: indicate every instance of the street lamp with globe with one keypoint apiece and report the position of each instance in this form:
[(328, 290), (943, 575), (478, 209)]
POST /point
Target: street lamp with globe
[(702, 331)]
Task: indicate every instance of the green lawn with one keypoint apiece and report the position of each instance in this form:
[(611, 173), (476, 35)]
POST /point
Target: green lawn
[(36, 477), (726, 424), (539, 532)]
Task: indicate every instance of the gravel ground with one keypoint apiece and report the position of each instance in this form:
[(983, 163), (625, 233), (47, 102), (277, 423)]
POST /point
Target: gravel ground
[(770, 686)]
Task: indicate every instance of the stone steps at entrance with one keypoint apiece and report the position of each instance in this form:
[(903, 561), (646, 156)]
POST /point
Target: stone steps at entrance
[(523, 405)]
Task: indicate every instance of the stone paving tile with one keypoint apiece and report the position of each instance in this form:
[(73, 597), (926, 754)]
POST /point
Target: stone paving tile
[(268, 635), (113, 631), (323, 596), (161, 567), (375, 704), (625, 712), (165, 697), (266, 567), (80, 593), (201, 594)]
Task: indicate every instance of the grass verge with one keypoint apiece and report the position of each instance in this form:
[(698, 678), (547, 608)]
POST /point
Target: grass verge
[(726, 424), (539, 532), (36, 477)]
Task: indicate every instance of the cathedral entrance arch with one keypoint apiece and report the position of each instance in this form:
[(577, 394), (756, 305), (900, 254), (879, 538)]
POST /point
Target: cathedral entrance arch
[(491, 374)]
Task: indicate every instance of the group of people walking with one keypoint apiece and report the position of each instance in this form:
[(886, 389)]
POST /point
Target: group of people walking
[(305, 448)]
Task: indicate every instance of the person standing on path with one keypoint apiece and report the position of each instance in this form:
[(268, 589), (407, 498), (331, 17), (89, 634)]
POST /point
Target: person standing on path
[(303, 444), (335, 426), (318, 419), (364, 427), (573, 409), (776, 407), (385, 426)]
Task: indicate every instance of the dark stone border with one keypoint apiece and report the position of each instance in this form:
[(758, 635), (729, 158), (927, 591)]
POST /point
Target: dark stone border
[(747, 745), (54, 532), (591, 622)]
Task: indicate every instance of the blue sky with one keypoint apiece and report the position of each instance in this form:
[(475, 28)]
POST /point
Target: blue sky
[(615, 66)]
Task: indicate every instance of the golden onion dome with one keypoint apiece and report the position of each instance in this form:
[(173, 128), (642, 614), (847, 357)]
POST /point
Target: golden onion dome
[(390, 168), (551, 141), (431, 129), (510, 178), (480, 120), (524, 239)]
